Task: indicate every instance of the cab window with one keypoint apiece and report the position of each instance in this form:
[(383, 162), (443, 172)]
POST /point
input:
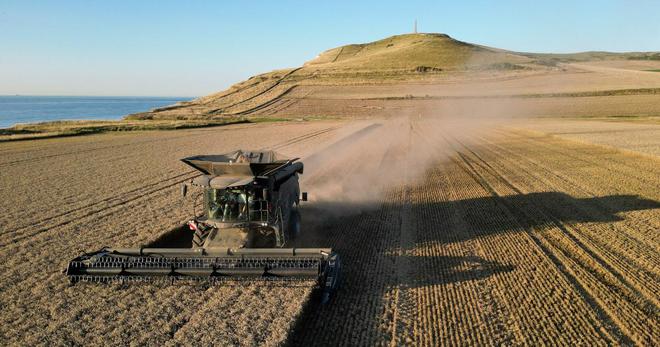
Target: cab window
[(227, 205)]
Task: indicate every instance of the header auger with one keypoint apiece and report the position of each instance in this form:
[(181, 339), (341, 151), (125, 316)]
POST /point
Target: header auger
[(250, 215)]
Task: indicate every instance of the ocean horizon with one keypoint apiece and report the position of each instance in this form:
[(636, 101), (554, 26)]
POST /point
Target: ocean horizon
[(22, 109)]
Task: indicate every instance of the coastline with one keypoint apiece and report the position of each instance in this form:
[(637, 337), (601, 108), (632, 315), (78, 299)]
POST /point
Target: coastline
[(22, 110), (46, 130)]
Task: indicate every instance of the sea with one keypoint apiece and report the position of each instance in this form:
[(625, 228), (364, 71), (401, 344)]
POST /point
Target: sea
[(15, 109)]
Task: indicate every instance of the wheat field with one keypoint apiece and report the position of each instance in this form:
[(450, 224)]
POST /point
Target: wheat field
[(510, 236)]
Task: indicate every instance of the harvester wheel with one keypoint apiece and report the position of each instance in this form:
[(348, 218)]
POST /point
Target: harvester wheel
[(294, 224), (200, 236)]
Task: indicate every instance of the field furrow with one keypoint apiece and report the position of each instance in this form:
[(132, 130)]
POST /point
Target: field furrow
[(447, 237), (603, 282), (608, 244), (128, 214)]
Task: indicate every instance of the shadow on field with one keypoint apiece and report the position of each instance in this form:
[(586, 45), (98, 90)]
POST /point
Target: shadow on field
[(482, 216), (495, 214), (367, 236), (448, 269), (179, 237), (556, 206)]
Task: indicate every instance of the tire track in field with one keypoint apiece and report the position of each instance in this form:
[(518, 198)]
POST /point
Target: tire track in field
[(551, 173), (550, 143), (277, 83), (630, 173), (405, 314), (303, 138), (586, 283), (611, 266), (580, 189), (514, 319), (265, 105), (82, 212), (494, 307), (637, 277), (143, 190), (21, 161), (492, 312), (361, 312), (557, 260), (634, 234), (283, 104), (523, 221), (127, 197), (139, 142), (641, 189)]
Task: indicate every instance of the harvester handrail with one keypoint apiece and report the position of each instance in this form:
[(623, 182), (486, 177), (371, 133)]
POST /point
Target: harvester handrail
[(302, 252), (290, 161)]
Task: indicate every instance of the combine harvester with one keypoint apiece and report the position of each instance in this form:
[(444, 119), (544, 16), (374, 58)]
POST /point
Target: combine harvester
[(250, 215)]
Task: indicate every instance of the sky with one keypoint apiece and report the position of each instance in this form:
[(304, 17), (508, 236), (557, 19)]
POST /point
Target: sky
[(193, 48)]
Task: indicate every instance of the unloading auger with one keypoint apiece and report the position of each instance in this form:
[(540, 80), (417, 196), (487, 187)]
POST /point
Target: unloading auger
[(250, 215)]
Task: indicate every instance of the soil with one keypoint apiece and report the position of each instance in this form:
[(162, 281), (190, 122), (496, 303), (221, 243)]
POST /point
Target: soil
[(449, 234), (63, 196)]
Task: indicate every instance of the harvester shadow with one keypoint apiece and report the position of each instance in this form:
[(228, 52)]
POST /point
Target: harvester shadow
[(481, 216), (177, 237), (559, 205), (527, 212), (368, 237), (446, 270)]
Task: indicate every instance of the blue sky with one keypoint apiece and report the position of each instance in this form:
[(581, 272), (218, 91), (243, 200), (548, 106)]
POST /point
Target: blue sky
[(192, 48)]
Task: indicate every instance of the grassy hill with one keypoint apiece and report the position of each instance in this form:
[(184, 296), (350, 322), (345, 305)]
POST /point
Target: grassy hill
[(411, 53), (398, 59), (410, 57)]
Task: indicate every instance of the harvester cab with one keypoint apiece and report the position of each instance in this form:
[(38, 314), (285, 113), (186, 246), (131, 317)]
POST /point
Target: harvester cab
[(250, 199), (248, 218)]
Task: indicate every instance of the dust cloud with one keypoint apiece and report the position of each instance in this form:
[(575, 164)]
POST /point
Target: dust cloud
[(355, 173), (418, 132)]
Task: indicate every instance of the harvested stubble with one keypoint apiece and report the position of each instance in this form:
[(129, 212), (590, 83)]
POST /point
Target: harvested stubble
[(515, 238), (62, 196)]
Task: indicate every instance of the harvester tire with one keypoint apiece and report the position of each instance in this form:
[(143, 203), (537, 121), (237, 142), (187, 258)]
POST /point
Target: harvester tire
[(294, 224), (200, 237)]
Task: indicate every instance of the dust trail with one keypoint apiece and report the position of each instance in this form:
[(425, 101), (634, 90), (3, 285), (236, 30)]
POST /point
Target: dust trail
[(413, 136), (354, 175)]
